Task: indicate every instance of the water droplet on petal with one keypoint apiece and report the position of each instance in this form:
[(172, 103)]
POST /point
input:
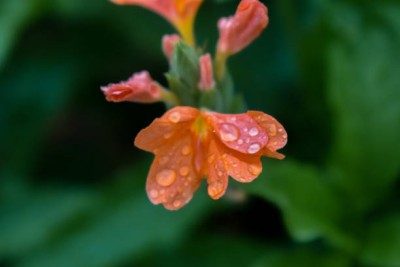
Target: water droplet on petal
[(284, 136), (254, 169), (215, 189), (240, 141), (177, 203), (280, 130), (253, 131), (186, 150), (167, 135), (163, 160), (254, 148), (174, 117), (184, 170), (219, 173), (272, 130), (229, 132), (153, 193), (166, 177)]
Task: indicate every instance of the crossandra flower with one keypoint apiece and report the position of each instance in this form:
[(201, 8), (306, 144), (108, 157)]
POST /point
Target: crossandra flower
[(180, 13), (190, 144), (238, 31)]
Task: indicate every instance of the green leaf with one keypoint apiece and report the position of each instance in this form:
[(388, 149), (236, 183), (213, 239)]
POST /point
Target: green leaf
[(302, 257), (29, 222), (364, 95), (122, 227), (382, 242), (14, 16), (309, 204)]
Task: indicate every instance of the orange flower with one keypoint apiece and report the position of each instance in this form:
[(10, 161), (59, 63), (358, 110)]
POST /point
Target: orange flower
[(190, 144), (238, 31), (180, 13)]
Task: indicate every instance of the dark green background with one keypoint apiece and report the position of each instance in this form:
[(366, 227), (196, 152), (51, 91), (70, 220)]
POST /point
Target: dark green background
[(72, 184)]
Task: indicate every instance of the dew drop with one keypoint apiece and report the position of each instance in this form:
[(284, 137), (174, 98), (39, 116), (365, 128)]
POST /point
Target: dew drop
[(254, 148), (254, 169), (153, 193), (215, 189), (284, 136), (163, 160), (174, 117), (280, 130), (253, 131), (219, 173), (176, 203), (166, 177), (184, 170), (272, 130), (229, 132), (167, 135), (240, 141), (186, 150)]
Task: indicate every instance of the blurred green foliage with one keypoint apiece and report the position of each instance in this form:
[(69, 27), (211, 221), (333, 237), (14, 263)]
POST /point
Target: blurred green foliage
[(72, 186)]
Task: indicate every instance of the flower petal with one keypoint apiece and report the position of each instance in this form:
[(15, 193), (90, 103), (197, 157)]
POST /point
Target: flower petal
[(242, 168), (166, 128), (217, 176), (172, 179), (276, 133), (239, 132)]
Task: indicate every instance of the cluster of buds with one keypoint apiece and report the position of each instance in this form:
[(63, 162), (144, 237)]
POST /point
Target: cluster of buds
[(203, 135)]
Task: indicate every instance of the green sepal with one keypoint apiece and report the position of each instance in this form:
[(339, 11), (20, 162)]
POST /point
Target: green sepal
[(185, 65), (186, 96), (212, 99)]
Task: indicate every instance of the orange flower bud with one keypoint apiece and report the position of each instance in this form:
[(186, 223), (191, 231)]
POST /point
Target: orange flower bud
[(139, 88), (238, 31), (168, 44), (206, 73), (190, 144)]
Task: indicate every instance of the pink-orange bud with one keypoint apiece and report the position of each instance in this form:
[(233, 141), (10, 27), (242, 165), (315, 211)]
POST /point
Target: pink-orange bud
[(238, 31), (168, 44), (206, 73), (139, 88)]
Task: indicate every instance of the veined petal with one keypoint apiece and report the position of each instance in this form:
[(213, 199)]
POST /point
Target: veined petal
[(243, 168), (276, 133), (163, 130), (172, 179), (217, 175), (239, 132)]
